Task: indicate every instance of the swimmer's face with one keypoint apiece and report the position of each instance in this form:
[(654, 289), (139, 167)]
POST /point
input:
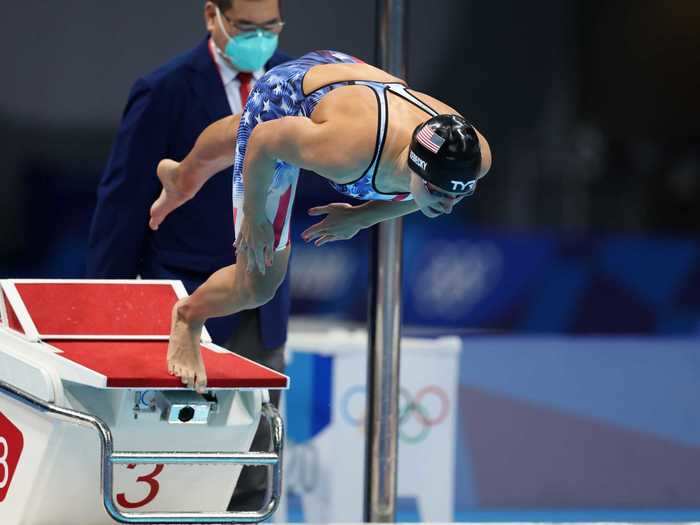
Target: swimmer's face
[(241, 14), (431, 200)]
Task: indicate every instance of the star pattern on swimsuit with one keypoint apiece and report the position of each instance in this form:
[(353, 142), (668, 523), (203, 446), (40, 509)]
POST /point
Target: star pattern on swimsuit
[(279, 94), (274, 80)]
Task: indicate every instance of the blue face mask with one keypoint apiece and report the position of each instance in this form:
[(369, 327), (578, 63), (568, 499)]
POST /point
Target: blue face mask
[(251, 50)]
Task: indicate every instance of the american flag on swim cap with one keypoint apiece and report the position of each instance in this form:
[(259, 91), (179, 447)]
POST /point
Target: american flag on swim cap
[(430, 139)]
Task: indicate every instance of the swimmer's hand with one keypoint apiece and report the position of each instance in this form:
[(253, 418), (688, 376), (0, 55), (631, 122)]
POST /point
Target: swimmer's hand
[(256, 240), (341, 223), (171, 197)]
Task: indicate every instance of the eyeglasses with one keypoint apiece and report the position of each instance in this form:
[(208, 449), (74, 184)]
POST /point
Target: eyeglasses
[(273, 26)]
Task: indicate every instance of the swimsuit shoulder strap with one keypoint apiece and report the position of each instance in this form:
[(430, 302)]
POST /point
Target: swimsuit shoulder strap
[(402, 91), (379, 91)]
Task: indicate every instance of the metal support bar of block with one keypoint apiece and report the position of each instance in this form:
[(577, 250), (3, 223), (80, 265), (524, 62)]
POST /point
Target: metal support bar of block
[(109, 458)]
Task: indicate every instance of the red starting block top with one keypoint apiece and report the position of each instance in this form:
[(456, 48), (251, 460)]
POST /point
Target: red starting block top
[(139, 364), (114, 333), (86, 309), (99, 309)]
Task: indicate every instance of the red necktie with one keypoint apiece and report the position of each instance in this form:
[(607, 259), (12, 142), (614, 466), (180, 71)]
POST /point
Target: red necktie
[(245, 79)]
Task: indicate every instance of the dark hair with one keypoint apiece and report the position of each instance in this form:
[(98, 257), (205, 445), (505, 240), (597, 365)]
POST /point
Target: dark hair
[(225, 5)]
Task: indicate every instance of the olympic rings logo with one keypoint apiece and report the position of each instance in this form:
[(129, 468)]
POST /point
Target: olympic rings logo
[(417, 414)]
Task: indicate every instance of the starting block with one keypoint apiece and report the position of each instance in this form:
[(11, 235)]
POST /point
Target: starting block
[(93, 429)]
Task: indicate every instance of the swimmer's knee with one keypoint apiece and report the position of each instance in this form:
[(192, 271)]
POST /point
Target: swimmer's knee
[(262, 289), (255, 289), (263, 292)]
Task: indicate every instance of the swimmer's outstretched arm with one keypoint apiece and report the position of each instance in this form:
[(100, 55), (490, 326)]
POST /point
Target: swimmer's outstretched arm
[(212, 153), (374, 212), (343, 221)]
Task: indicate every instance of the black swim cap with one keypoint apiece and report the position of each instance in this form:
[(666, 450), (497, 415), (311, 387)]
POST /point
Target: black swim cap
[(445, 151)]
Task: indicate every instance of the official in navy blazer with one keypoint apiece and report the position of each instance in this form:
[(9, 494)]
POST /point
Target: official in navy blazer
[(165, 113)]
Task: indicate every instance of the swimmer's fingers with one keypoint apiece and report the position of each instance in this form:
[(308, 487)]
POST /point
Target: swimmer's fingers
[(269, 253), (259, 259), (268, 246), (314, 231), (319, 210), (324, 239), (328, 208), (250, 260), (337, 216)]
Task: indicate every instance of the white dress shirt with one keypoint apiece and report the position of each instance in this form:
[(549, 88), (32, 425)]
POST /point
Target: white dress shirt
[(228, 76)]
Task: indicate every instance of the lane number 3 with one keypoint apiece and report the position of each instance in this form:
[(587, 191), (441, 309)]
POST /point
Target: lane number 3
[(150, 480)]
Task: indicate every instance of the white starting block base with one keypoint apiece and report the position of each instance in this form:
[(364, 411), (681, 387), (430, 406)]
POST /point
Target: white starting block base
[(60, 476), (50, 467)]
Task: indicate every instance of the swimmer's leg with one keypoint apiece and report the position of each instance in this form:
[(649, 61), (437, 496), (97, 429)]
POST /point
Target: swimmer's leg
[(228, 291), (213, 152)]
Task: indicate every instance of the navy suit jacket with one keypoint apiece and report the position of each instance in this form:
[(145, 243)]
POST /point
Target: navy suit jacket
[(165, 113)]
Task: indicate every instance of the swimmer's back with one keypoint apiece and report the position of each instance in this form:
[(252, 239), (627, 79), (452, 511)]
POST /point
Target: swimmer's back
[(324, 75), (327, 74)]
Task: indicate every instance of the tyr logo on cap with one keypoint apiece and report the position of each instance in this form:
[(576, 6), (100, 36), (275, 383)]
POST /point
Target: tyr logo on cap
[(11, 445), (463, 186)]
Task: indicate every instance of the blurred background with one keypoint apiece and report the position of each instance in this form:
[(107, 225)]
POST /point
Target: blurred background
[(580, 255), (591, 108)]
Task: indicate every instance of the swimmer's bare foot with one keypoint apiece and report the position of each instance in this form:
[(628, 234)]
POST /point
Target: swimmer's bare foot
[(184, 356), (171, 197)]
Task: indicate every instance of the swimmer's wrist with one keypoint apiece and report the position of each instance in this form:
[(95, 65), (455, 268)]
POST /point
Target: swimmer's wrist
[(372, 213), (365, 218), (367, 215), (254, 204)]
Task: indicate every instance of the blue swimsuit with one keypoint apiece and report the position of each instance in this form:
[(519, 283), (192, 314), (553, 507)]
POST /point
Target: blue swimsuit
[(279, 93)]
